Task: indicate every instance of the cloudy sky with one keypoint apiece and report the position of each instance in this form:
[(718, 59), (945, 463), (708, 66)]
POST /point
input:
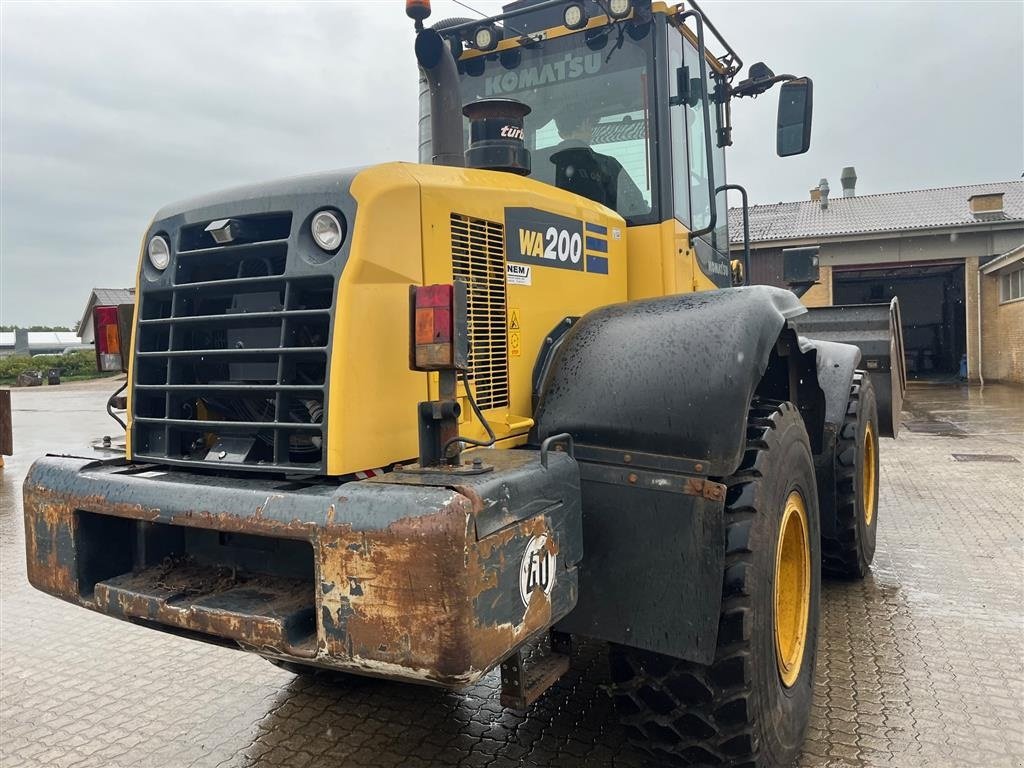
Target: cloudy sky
[(111, 110)]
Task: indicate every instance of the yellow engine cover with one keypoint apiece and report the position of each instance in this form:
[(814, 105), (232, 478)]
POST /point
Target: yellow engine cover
[(532, 256)]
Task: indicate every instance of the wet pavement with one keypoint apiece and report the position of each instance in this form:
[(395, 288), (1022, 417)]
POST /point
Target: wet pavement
[(920, 664)]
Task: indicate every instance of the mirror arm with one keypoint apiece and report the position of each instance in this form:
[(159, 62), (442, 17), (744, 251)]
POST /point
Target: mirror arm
[(757, 87), (708, 150), (746, 227), (724, 117)]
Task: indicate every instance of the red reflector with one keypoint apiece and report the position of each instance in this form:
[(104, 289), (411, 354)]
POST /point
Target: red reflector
[(105, 328), (108, 338), (434, 296), (435, 344)]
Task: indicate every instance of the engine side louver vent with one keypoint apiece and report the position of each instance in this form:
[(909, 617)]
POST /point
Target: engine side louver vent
[(478, 258)]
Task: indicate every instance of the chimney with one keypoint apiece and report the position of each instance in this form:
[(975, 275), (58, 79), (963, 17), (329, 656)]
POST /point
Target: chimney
[(823, 193), (815, 194), (849, 180), (990, 204)]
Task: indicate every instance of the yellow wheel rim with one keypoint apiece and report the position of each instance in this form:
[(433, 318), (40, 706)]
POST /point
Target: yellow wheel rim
[(867, 472), (792, 589)]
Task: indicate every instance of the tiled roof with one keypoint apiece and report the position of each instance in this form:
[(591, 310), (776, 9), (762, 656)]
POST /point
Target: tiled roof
[(105, 297), (865, 214), (111, 297)]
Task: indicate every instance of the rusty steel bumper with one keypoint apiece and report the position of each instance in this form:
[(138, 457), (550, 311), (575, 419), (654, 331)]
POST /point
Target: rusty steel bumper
[(411, 577)]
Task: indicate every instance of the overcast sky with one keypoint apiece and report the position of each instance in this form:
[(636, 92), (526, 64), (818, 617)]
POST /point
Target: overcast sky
[(109, 111)]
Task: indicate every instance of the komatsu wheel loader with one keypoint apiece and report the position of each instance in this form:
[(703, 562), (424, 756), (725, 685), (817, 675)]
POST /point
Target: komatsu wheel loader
[(409, 420)]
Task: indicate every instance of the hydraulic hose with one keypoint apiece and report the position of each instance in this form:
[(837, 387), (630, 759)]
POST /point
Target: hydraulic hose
[(476, 410), (110, 406)]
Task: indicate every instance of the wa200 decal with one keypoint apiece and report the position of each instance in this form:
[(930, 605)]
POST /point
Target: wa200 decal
[(547, 239)]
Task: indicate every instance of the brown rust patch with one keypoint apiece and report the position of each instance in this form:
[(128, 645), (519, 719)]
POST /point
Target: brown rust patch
[(415, 606), (255, 524), (255, 609), (39, 494), (49, 537), (409, 591)]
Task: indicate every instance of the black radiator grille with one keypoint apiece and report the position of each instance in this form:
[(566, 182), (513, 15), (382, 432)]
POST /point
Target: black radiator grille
[(232, 357), (478, 257)]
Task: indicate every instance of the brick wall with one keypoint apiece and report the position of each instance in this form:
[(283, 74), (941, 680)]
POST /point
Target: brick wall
[(1002, 334)]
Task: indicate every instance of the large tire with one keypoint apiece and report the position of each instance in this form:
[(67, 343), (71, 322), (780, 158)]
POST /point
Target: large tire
[(738, 711), (848, 538)]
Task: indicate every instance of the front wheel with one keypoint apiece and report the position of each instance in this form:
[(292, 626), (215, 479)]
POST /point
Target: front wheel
[(751, 705), (850, 528)]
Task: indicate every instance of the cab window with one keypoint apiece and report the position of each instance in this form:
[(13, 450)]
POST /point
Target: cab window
[(588, 131)]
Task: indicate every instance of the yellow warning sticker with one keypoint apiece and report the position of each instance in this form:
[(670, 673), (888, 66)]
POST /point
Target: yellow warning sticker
[(515, 342)]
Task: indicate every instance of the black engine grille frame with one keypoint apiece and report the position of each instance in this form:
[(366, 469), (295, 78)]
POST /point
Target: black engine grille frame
[(232, 350)]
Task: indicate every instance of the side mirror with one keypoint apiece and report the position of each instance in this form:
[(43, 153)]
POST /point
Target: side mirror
[(794, 123)]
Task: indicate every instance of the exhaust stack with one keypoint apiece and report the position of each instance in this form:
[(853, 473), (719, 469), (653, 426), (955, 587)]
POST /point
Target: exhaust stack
[(442, 76)]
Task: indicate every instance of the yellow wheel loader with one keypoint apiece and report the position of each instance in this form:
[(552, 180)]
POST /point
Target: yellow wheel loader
[(410, 419)]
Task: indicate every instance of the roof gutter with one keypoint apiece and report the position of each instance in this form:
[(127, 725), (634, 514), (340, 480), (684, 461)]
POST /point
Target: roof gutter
[(882, 235), (1002, 260)]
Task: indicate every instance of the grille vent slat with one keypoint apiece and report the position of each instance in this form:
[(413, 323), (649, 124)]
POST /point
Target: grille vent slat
[(478, 258)]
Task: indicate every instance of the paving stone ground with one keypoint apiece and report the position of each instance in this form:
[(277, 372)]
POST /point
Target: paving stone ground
[(921, 664)]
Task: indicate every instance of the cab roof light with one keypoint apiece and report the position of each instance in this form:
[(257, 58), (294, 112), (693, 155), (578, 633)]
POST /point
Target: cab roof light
[(619, 9), (485, 38), (574, 16)]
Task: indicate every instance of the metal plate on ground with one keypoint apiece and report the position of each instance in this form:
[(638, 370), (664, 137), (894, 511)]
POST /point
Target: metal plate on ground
[(1000, 457), (933, 427)]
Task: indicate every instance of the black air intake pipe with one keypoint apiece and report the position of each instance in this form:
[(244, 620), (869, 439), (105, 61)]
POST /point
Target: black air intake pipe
[(438, 66)]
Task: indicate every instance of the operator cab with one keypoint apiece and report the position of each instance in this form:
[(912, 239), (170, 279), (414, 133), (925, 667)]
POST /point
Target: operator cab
[(627, 108)]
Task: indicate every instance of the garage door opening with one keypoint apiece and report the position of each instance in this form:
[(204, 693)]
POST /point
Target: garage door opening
[(931, 303)]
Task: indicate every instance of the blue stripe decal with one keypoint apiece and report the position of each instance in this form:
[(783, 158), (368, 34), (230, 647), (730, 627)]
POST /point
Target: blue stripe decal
[(597, 229), (594, 244), (597, 264)]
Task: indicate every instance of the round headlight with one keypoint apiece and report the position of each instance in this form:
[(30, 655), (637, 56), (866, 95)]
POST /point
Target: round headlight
[(619, 8), (159, 252), (573, 16), (327, 231), (485, 38)]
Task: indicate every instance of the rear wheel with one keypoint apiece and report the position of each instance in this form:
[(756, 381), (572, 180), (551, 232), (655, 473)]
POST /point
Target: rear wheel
[(848, 539), (750, 706)]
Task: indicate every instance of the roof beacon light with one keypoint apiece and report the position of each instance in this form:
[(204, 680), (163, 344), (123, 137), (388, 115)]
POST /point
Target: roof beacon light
[(574, 16), (485, 38), (619, 9), (417, 10)]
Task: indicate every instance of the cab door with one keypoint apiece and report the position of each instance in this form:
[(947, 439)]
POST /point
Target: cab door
[(694, 172)]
